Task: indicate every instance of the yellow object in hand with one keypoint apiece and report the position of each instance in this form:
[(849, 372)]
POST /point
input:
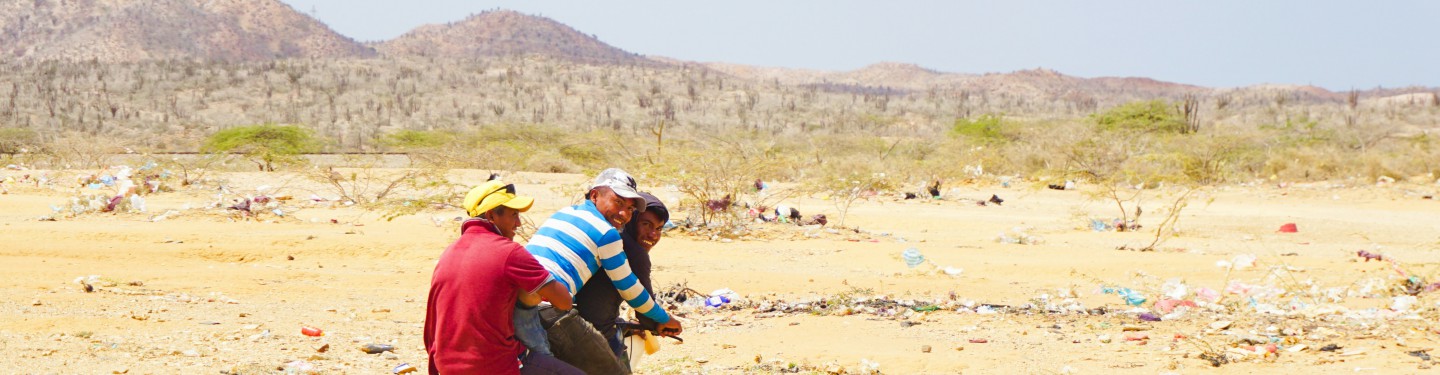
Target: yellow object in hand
[(652, 344)]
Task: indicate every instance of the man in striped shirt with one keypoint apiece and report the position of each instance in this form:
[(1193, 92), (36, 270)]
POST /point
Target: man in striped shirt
[(580, 241)]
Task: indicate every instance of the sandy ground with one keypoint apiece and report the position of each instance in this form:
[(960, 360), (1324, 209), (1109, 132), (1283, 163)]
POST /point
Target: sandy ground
[(203, 292)]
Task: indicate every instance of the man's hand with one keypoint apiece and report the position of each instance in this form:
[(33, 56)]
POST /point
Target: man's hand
[(670, 328)]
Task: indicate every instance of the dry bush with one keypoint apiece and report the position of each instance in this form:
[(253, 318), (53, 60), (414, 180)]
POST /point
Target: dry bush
[(76, 151), (538, 148), (558, 116), (1038, 147), (846, 183), (394, 192), (703, 175), (192, 169)]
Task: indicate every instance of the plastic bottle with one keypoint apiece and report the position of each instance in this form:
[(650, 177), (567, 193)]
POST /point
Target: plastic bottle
[(912, 257)]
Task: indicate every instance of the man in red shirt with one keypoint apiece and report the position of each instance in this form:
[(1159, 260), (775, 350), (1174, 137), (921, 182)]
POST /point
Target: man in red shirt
[(477, 282)]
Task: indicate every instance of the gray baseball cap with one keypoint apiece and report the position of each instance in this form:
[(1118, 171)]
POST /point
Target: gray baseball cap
[(619, 181)]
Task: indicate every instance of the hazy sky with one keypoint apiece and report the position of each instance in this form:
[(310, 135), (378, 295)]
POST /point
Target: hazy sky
[(1338, 45)]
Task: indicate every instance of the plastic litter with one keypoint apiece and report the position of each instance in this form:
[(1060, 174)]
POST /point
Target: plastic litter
[(403, 368), (913, 257), (1169, 305), (1402, 303), (1174, 289), (301, 367), (1207, 294), (1288, 228), (721, 297), (716, 301), (376, 348), (1131, 297), (311, 331), (1019, 236), (1368, 256), (137, 204)]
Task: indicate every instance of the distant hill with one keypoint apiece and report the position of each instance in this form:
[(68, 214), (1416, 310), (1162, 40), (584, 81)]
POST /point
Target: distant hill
[(266, 30), (506, 33), (139, 30)]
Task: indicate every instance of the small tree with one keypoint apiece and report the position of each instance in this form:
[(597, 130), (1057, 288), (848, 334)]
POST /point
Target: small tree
[(266, 144), (986, 129), (411, 140), (1144, 117), (14, 140)]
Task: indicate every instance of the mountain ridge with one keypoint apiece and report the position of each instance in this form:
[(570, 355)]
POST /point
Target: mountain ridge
[(118, 31)]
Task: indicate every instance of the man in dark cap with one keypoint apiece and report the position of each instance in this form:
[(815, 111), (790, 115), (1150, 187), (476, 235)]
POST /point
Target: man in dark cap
[(598, 302)]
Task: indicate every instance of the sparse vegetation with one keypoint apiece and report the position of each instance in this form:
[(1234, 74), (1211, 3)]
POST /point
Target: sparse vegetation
[(577, 106), (266, 145)]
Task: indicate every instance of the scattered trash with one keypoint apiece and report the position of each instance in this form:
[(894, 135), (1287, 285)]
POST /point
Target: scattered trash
[(716, 301), (979, 341), (1019, 236), (300, 367), (1288, 228), (1169, 305), (721, 297), (912, 257), (926, 308), (311, 331), (403, 368), (1131, 297), (376, 348), (1369, 256), (1149, 317), (1403, 303), (1239, 262)]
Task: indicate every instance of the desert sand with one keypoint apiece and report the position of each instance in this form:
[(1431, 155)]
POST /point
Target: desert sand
[(204, 290)]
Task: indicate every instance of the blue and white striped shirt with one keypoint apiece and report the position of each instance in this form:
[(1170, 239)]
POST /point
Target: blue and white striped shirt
[(576, 242)]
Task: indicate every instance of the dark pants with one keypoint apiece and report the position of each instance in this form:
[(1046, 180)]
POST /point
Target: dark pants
[(617, 345), (540, 364), (574, 341)]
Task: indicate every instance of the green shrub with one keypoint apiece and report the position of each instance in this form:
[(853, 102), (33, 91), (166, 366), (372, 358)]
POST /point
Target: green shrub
[(418, 139), (12, 140), (987, 129), (266, 144), (1142, 116)]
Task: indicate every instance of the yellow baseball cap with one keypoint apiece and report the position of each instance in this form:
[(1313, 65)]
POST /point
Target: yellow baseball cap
[(494, 193)]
